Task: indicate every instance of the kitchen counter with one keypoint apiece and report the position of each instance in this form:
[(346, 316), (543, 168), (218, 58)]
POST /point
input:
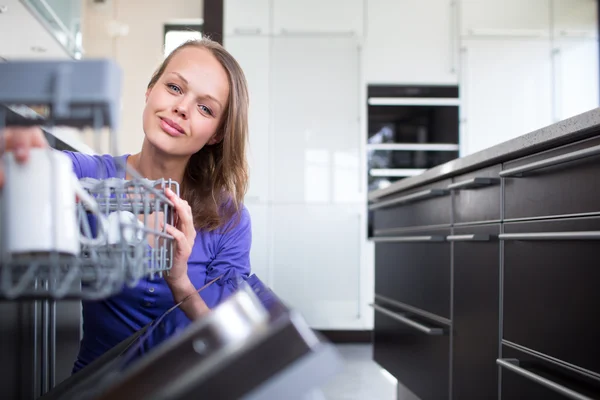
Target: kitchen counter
[(486, 271), (569, 130)]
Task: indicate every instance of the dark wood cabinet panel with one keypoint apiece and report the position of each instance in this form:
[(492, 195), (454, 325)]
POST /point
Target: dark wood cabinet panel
[(418, 360), (564, 188), (550, 291), (477, 195), (476, 312), (415, 273), (523, 382), (431, 205)]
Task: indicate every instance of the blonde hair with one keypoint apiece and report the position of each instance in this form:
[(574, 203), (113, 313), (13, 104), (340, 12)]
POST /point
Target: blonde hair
[(216, 177)]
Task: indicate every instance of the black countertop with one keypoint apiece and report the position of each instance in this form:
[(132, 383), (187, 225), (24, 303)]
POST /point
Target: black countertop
[(569, 130)]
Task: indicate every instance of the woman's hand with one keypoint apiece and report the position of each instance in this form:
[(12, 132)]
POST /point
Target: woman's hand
[(20, 140), (184, 234)]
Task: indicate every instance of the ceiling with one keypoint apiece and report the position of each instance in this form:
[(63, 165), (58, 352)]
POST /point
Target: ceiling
[(28, 38)]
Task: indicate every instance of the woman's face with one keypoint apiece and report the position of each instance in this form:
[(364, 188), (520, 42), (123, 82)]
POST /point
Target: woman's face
[(185, 106)]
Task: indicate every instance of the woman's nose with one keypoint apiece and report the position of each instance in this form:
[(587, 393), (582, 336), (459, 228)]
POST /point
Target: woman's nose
[(180, 110)]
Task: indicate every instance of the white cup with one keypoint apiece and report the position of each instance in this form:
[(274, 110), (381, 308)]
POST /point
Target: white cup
[(39, 212)]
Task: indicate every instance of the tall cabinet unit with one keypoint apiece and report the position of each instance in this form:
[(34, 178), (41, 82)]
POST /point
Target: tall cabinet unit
[(306, 196)]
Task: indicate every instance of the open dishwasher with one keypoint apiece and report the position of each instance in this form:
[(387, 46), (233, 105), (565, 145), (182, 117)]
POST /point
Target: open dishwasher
[(250, 346)]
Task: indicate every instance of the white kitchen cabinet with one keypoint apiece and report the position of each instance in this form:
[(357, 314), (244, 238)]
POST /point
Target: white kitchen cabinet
[(246, 17), (317, 263), (575, 18), (252, 52), (505, 91), (317, 16), (315, 126), (575, 77), (411, 41), (518, 18)]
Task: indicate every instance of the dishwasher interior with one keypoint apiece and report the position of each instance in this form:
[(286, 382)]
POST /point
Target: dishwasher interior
[(250, 346)]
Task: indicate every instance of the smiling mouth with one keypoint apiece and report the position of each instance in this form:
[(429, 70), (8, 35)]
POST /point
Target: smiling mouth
[(171, 127)]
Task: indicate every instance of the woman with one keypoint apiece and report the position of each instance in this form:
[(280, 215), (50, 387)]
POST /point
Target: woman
[(195, 126)]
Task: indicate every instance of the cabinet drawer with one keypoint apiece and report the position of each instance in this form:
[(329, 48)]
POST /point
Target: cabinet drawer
[(525, 375), (556, 182), (419, 359), (477, 196), (550, 290), (424, 206), (475, 316), (415, 270)]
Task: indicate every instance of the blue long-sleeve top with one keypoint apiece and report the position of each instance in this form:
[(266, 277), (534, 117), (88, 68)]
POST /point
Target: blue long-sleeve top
[(223, 252)]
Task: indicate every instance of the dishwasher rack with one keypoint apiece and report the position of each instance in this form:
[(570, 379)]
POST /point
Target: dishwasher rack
[(126, 222)]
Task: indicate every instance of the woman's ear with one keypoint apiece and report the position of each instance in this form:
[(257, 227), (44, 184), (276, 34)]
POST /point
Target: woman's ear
[(216, 138), (148, 93)]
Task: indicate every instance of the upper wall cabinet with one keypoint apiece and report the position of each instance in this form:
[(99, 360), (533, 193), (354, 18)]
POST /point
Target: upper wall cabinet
[(411, 41), (575, 18), (247, 17), (505, 18), (316, 16)]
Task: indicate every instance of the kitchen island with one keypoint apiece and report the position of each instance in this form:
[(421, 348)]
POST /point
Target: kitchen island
[(486, 270)]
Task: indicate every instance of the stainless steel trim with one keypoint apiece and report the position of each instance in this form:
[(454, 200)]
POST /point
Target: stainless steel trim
[(414, 310), (404, 239), (422, 195), (513, 365), (591, 235), (407, 321), (563, 158), (475, 237), (407, 229), (473, 183)]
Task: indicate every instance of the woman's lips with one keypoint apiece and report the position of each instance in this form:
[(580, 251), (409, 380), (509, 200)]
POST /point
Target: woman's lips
[(171, 127)]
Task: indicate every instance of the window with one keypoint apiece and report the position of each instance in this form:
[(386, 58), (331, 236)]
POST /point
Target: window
[(178, 33)]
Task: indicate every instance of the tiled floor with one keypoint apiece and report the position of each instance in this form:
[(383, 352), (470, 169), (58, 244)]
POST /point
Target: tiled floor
[(361, 378)]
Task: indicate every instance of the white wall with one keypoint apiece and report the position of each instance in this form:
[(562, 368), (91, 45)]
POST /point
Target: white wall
[(138, 53)]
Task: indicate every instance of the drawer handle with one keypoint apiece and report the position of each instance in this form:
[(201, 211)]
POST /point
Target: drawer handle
[(476, 237), (563, 158), (401, 239), (423, 195), (591, 235), (408, 321), (513, 365), (473, 183)]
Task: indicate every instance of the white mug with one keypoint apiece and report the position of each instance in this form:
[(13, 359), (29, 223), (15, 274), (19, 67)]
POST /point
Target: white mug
[(39, 211), (127, 223)]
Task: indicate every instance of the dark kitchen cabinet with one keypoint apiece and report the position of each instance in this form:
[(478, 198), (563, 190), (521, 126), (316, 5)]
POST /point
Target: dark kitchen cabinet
[(527, 376), (476, 310), (414, 269), (419, 358), (550, 291)]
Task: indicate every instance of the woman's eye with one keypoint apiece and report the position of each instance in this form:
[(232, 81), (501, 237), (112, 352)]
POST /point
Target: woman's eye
[(174, 88), (205, 109)]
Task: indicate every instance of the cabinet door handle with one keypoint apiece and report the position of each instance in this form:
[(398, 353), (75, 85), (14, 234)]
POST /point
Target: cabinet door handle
[(473, 183), (247, 31), (513, 365), (591, 235), (475, 237), (407, 321), (401, 239), (563, 158), (423, 195)]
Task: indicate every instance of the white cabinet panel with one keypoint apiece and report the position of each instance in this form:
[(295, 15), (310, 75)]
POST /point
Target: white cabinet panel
[(575, 18), (505, 18), (252, 52), (575, 77), (505, 91), (317, 261), (339, 16), (259, 252), (246, 17), (411, 41), (315, 134)]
